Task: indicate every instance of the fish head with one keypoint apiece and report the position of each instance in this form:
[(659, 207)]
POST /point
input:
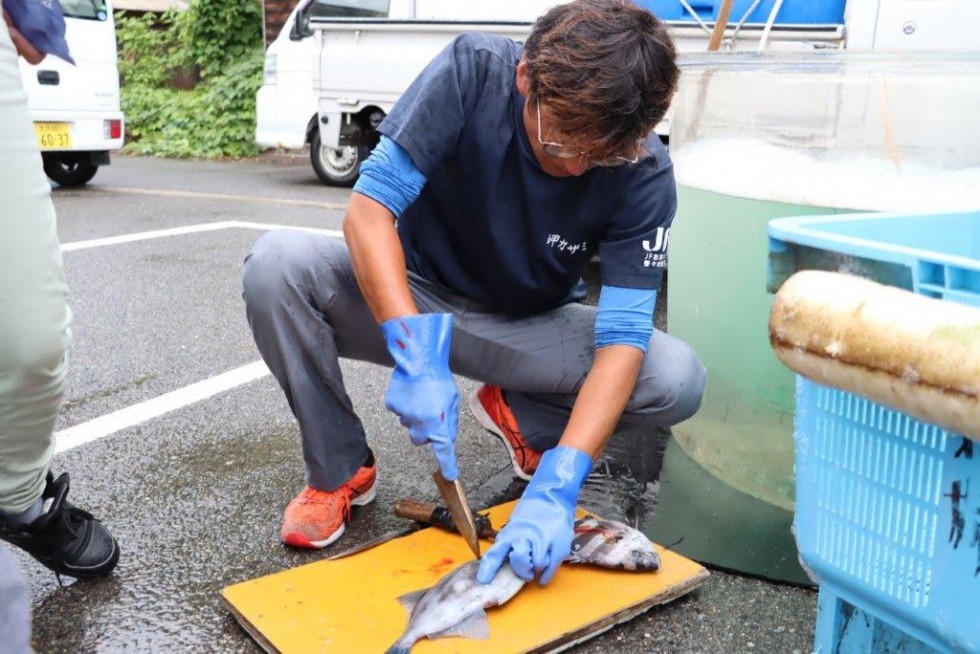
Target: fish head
[(643, 559), (611, 544)]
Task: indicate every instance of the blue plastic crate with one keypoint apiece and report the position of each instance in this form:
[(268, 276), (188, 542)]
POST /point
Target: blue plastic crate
[(935, 255), (793, 12), (886, 519)]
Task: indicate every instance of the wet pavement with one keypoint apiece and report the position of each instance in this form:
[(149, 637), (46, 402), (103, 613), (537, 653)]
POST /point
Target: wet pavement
[(194, 489)]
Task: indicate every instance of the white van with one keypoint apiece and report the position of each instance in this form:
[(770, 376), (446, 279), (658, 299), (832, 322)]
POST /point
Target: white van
[(76, 109), (286, 105)]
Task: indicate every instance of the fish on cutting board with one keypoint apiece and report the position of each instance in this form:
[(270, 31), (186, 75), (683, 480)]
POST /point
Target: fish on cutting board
[(456, 605), (611, 544)]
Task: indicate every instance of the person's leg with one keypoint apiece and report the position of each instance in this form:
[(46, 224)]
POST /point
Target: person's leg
[(306, 311), (34, 336), (15, 606), (541, 362), (668, 391), (34, 314)]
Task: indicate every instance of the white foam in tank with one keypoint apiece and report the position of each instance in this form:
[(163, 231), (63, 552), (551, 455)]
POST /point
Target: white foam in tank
[(753, 168)]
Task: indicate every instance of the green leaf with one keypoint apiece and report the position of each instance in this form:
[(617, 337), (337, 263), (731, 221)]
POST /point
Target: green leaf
[(217, 41)]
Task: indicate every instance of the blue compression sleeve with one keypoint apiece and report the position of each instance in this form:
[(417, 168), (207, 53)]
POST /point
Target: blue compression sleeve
[(625, 317), (390, 177)]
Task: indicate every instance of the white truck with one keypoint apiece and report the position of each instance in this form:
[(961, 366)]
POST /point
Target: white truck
[(76, 110), (362, 54), (286, 103)]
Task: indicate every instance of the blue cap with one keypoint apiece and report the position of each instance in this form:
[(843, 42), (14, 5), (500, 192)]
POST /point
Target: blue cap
[(42, 24)]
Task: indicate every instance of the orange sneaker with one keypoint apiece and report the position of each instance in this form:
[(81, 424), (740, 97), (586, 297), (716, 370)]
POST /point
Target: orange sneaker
[(316, 518), (491, 411)]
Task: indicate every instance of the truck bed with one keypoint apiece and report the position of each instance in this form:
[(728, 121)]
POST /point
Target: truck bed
[(364, 65)]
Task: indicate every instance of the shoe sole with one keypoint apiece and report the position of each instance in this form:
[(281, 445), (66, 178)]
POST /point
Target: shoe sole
[(482, 417), (366, 497), (294, 539)]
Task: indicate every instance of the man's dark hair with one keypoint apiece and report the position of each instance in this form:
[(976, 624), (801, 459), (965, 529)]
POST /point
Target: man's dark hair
[(605, 69)]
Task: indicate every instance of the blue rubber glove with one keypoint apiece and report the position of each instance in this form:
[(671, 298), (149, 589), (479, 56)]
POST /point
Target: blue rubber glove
[(539, 534), (422, 392)]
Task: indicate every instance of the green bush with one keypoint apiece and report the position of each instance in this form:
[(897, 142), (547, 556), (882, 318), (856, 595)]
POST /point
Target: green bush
[(219, 33), (215, 47), (148, 56)]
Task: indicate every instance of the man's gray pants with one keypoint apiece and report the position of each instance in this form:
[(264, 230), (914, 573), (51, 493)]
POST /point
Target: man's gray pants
[(306, 311)]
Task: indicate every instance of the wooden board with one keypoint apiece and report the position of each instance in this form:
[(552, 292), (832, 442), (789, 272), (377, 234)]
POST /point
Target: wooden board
[(350, 605)]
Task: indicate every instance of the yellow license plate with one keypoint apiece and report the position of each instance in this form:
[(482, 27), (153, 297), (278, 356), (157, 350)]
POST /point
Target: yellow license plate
[(53, 136)]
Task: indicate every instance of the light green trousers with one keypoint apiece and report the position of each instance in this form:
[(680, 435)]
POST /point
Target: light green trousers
[(34, 314)]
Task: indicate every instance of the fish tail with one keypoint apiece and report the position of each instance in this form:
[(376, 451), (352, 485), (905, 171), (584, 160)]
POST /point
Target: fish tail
[(400, 647)]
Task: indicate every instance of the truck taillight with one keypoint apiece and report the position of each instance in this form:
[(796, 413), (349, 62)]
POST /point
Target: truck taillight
[(112, 129)]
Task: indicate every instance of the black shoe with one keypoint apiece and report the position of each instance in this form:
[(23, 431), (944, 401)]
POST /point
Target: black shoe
[(64, 538)]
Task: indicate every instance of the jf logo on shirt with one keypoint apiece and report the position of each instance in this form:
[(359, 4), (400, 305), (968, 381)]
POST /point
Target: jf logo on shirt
[(656, 250)]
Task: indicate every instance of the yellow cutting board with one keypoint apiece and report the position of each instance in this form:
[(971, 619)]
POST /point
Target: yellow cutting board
[(350, 604)]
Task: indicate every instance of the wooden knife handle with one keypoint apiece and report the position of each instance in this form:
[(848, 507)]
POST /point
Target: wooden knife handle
[(415, 510), (433, 514)]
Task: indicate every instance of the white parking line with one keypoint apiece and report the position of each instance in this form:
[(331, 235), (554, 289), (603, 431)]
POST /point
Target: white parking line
[(110, 423), (188, 229), (143, 236)]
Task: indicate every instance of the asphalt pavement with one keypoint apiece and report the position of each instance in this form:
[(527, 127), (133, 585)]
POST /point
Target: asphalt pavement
[(177, 438)]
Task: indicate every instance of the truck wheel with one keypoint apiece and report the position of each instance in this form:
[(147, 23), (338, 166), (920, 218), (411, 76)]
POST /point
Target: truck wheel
[(69, 168), (336, 167)]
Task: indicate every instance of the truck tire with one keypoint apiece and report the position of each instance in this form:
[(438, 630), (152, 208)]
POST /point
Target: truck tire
[(69, 168), (336, 167)]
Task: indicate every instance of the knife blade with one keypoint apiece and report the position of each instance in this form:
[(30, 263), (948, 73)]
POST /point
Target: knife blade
[(372, 543), (455, 499)]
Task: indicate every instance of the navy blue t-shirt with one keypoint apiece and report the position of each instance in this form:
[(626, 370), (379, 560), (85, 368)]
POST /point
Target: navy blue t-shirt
[(490, 224)]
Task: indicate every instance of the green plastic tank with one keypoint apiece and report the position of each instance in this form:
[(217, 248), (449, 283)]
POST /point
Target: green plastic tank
[(756, 137)]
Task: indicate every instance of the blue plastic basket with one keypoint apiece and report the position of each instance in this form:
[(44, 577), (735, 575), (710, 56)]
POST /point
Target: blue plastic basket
[(934, 255), (887, 521)]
